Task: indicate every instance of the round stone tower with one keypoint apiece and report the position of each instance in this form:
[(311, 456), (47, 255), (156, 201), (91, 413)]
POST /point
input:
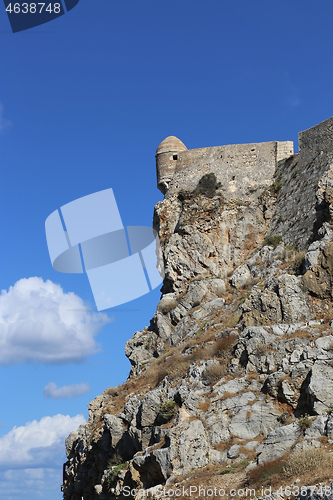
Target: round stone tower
[(166, 161)]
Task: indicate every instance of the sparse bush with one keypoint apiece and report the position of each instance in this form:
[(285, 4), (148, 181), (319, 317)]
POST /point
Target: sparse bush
[(112, 391), (308, 460), (213, 373), (272, 241), (170, 305), (222, 346), (277, 185), (167, 410), (264, 474), (283, 417), (329, 410), (113, 474), (236, 467), (297, 265), (304, 422)]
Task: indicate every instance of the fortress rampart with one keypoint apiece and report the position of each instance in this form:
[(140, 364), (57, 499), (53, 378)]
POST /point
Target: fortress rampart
[(236, 166), (304, 185), (303, 182)]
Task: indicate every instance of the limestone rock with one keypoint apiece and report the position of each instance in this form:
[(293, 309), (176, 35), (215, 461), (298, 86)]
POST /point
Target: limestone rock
[(278, 442), (149, 408), (240, 276), (253, 420), (320, 388)]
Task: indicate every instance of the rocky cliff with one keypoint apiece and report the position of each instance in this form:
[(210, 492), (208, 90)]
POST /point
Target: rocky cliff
[(234, 374)]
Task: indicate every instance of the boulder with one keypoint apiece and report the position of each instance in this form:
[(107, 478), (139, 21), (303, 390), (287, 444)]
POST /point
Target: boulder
[(278, 442), (149, 408), (320, 388), (241, 276), (253, 420)]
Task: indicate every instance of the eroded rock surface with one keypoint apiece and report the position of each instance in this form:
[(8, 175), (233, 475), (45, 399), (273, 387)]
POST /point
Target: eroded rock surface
[(240, 348)]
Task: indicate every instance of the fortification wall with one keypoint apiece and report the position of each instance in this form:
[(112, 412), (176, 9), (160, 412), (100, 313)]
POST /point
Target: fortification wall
[(284, 150), (316, 139), (238, 167), (304, 185)]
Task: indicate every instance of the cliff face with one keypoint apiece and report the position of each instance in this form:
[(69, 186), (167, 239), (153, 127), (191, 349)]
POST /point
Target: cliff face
[(240, 348)]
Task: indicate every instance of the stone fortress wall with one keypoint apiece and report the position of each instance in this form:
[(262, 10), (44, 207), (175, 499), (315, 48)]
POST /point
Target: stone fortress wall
[(236, 166), (304, 185), (301, 181)]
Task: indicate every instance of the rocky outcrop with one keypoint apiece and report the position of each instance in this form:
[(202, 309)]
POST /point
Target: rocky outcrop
[(236, 363)]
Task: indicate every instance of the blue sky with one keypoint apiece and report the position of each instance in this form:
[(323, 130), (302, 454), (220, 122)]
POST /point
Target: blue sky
[(84, 102)]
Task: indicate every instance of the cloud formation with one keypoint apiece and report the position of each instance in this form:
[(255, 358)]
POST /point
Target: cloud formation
[(40, 322), (37, 443), (3, 122), (66, 391)]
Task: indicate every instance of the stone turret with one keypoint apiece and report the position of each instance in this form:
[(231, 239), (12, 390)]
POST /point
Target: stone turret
[(166, 161)]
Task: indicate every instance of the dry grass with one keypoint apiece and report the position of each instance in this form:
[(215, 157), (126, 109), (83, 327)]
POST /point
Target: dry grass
[(213, 373), (311, 465), (175, 361), (223, 445), (252, 376), (281, 472), (219, 349), (228, 395), (204, 406), (112, 391), (307, 461), (250, 454)]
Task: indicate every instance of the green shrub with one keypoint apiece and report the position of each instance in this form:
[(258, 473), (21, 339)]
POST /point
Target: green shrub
[(329, 410), (236, 467), (113, 474), (207, 185), (272, 241), (168, 409), (297, 265), (304, 422), (277, 185)]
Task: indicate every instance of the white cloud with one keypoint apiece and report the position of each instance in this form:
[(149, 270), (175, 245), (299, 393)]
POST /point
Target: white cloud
[(3, 122), (37, 443), (40, 322), (66, 391)]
